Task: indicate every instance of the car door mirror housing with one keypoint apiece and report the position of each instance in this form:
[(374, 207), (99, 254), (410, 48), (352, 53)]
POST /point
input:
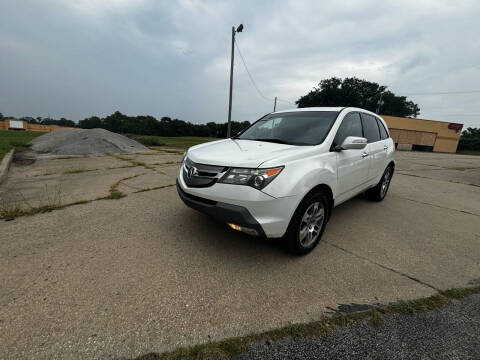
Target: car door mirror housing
[(353, 142)]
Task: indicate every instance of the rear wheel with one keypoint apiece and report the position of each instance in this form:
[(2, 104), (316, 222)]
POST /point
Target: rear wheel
[(307, 224), (380, 190)]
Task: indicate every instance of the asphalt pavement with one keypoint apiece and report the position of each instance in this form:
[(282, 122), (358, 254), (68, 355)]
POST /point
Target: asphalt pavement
[(452, 332)]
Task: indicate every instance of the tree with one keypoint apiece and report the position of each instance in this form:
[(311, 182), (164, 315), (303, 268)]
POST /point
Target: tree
[(148, 125), (358, 93), (1, 116), (470, 140)]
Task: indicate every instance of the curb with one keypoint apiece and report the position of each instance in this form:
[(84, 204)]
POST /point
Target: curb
[(5, 165)]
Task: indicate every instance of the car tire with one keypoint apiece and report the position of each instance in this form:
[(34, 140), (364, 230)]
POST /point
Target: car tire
[(306, 229), (379, 191)]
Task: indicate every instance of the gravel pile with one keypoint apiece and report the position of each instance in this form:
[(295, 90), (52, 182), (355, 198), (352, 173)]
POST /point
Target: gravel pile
[(81, 142)]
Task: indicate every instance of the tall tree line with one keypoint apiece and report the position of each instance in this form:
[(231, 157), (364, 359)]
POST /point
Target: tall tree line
[(149, 125)]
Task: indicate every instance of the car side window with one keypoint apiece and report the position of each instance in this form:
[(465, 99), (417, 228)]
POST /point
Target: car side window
[(370, 128), (383, 131), (350, 126)]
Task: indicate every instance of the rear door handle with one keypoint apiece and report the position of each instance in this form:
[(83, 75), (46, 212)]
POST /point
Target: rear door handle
[(364, 155), (385, 147)]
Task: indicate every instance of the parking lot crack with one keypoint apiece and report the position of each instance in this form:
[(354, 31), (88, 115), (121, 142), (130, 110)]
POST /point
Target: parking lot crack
[(402, 172), (421, 282), (438, 206)]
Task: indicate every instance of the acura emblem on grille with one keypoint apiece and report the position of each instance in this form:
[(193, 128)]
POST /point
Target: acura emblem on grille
[(192, 172)]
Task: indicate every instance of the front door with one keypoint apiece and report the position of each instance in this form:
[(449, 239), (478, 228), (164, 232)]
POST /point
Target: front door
[(352, 165)]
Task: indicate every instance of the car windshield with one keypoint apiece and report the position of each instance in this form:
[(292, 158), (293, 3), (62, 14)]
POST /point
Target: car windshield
[(293, 128)]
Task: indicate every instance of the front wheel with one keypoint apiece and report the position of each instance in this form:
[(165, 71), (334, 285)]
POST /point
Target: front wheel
[(379, 192), (307, 224)]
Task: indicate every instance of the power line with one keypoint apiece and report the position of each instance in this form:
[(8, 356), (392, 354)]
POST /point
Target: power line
[(253, 81), (444, 93), (250, 75)]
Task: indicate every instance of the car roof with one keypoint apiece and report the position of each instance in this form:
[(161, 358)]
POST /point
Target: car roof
[(325, 108), (318, 108)]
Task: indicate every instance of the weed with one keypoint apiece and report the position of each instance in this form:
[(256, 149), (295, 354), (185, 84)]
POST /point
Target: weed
[(114, 193), (153, 188), (132, 161), (17, 205), (121, 167), (78, 171), (460, 293)]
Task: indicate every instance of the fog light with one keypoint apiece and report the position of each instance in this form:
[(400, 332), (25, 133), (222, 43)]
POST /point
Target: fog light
[(245, 230), (235, 227)]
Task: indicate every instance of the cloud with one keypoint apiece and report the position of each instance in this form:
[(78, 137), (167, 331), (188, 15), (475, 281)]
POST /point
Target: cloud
[(79, 58)]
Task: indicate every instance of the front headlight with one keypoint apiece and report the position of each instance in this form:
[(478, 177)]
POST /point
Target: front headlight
[(257, 178)]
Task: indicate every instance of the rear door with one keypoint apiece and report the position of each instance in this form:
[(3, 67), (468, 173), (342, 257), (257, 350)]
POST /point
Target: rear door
[(352, 165), (375, 148)]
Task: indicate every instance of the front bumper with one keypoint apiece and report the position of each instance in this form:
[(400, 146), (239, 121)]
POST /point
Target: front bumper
[(228, 213), (271, 214)]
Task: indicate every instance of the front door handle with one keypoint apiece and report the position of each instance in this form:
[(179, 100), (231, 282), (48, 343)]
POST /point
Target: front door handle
[(364, 155)]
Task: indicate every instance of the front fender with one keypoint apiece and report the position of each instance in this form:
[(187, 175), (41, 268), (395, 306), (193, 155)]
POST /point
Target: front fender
[(301, 176)]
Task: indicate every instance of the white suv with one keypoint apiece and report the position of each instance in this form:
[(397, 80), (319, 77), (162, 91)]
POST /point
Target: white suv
[(282, 176)]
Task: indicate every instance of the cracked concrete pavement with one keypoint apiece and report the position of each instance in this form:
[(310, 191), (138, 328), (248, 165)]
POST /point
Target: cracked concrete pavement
[(120, 278)]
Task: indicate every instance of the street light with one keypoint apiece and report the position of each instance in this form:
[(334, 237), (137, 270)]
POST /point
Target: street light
[(239, 29)]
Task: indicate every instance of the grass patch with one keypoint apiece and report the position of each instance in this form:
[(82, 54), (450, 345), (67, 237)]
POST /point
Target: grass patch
[(169, 151), (233, 347), (11, 139), (180, 142)]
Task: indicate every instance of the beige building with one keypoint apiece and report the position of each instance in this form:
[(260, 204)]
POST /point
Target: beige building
[(18, 124), (423, 135)]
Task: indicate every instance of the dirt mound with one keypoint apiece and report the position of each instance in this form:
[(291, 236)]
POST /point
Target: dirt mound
[(81, 142)]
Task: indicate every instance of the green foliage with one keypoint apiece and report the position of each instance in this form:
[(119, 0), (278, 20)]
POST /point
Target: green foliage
[(61, 122), (470, 140), (183, 142), (15, 139), (359, 93), (146, 140), (148, 125)]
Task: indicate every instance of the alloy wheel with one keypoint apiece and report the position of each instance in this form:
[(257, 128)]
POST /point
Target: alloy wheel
[(385, 182), (311, 224)]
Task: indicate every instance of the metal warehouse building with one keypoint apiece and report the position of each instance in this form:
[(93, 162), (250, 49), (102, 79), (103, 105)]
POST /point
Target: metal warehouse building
[(423, 135)]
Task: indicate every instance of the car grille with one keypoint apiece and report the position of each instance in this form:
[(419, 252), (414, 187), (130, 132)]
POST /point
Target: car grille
[(201, 175)]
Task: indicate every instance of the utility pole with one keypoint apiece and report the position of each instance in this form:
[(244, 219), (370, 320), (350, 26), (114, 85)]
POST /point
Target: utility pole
[(275, 104), (229, 126), (379, 103)]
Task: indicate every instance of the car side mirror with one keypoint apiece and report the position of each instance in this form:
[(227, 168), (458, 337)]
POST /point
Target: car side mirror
[(353, 142)]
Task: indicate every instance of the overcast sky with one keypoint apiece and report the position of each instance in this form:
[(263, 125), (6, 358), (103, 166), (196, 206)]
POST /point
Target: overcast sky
[(79, 58)]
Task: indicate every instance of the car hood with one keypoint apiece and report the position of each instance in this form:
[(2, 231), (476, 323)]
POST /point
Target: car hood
[(239, 153)]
